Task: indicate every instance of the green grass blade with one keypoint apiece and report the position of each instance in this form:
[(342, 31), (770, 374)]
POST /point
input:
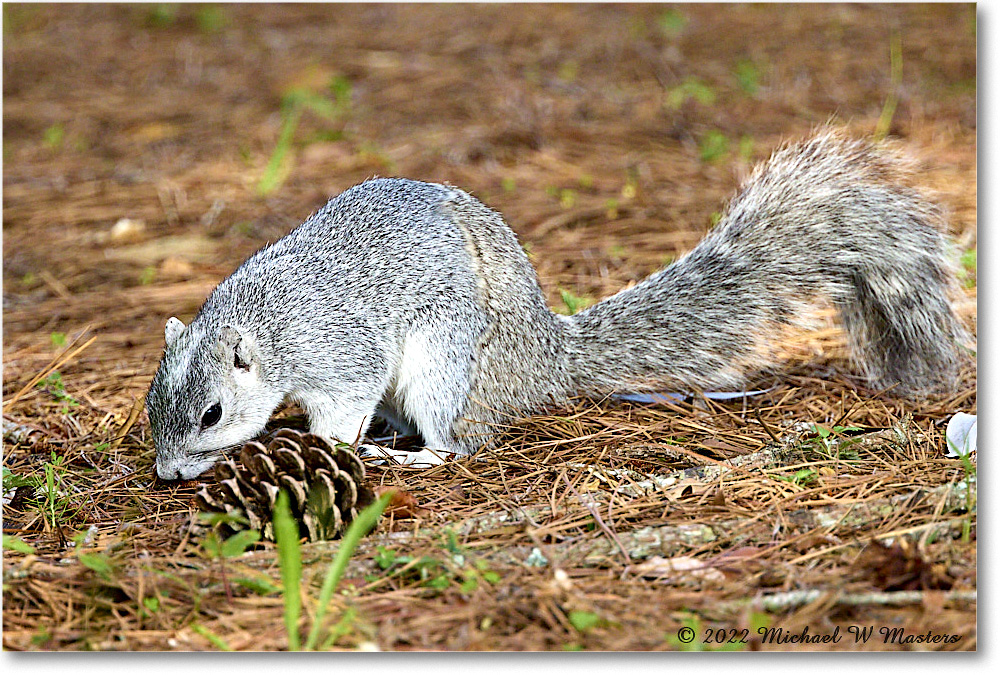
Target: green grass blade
[(286, 534), (340, 629), (272, 177), (895, 80), (361, 526), (12, 543), (216, 641)]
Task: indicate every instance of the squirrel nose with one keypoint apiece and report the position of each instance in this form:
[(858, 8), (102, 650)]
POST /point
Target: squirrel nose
[(167, 473)]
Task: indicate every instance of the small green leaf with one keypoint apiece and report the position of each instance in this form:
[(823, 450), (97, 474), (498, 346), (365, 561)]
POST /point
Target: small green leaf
[(583, 621), (216, 641), (97, 562), (320, 105), (237, 544), (671, 22), (261, 586), (234, 518), (968, 271), (688, 89), (12, 543), (747, 76), (341, 628), (11, 481), (803, 476), (162, 15), (53, 136), (211, 545), (574, 303), (440, 582), (969, 260), (340, 87), (759, 620), (211, 19), (53, 381), (384, 557), (714, 145)]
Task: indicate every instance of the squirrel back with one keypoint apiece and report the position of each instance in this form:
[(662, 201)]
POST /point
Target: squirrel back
[(416, 302)]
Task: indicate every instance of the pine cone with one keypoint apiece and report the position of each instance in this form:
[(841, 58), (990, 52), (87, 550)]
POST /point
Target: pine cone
[(325, 484)]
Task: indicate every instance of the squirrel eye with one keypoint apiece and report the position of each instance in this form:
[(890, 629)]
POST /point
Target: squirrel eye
[(211, 416)]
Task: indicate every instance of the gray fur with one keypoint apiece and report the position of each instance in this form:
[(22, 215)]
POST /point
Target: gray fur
[(416, 300)]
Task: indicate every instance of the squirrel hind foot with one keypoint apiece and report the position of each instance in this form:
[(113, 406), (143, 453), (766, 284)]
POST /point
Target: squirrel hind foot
[(421, 459)]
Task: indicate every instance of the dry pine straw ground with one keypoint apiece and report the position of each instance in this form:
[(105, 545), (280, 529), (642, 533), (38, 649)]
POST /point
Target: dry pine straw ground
[(803, 515), (787, 537)]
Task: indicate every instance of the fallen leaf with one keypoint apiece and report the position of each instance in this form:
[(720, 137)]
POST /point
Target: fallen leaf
[(402, 504), (901, 567), (814, 541), (693, 488), (738, 562)]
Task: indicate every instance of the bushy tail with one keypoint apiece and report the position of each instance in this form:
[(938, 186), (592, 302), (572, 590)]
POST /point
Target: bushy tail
[(827, 218)]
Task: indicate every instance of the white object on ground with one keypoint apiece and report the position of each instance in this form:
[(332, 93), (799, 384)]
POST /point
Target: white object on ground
[(659, 567), (961, 435)]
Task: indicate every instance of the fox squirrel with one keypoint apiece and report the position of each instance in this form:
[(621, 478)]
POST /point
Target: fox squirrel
[(415, 301)]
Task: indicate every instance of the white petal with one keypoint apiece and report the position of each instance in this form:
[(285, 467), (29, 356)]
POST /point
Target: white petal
[(961, 435)]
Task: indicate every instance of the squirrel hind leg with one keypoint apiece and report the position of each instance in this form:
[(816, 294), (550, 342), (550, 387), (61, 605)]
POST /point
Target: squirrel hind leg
[(434, 381), (419, 459)]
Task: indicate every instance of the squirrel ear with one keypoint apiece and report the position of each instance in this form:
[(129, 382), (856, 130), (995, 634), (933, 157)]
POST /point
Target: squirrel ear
[(173, 329), (240, 346)]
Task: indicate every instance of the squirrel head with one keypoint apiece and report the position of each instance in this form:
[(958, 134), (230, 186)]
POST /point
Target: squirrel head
[(205, 398)]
